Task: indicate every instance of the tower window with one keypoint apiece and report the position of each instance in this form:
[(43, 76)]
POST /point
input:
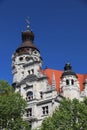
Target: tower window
[(32, 71), (41, 95), (27, 58), (21, 58), (67, 82), (29, 95), (45, 110), (29, 112), (35, 52), (72, 82), (29, 71), (22, 72)]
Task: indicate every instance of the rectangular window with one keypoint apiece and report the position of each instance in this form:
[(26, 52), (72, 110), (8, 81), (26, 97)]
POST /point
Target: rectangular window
[(32, 71), (45, 110), (72, 82), (67, 82), (29, 112), (30, 124), (41, 95), (29, 71)]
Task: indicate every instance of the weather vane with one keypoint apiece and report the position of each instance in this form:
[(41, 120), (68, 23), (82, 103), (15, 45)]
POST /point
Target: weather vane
[(28, 23)]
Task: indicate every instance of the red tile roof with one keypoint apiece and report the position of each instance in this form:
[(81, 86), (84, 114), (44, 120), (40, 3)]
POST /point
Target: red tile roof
[(58, 73)]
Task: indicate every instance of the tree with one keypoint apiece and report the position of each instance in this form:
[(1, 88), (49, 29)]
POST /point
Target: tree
[(70, 115), (12, 108)]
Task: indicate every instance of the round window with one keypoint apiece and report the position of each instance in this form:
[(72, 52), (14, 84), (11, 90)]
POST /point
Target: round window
[(35, 52), (21, 58), (27, 58)]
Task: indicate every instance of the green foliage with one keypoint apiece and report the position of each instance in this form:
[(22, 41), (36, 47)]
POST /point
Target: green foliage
[(70, 115), (12, 108), (5, 88)]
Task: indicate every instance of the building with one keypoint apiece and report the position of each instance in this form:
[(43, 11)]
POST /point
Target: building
[(43, 89)]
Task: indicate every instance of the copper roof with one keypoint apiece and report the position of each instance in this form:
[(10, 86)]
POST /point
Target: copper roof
[(27, 35), (27, 44), (68, 71), (27, 40)]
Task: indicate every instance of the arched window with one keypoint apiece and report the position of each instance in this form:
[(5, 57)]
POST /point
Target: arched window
[(31, 71), (72, 82), (29, 95), (67, 82)]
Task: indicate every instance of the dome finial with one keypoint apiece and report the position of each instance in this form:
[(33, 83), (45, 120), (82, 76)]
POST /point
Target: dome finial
[(28, 23)]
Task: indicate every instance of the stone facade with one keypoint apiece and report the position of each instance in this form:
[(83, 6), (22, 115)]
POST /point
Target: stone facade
[(43, 89)]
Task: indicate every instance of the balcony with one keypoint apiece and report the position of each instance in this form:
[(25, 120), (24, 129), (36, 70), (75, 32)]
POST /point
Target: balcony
[(30, 118)]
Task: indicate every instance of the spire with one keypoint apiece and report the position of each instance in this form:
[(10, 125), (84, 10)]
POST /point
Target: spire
[(67, 67), (27, 38), (28, 24), (28, 35), (53, 81)]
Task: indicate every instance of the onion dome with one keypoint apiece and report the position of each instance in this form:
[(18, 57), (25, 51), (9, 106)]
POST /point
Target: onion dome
[(68, 71), (27, 41), (27, 36)]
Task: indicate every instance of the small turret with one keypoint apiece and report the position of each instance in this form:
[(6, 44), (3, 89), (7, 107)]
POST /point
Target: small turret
[(69, 83)]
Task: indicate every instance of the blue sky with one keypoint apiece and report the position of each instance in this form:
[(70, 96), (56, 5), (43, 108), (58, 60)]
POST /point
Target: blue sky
[(60, 28)]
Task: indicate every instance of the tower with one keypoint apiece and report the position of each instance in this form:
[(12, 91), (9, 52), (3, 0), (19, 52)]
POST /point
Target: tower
[(42, 89), (69, 86), (26, 60), (31, 81)]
